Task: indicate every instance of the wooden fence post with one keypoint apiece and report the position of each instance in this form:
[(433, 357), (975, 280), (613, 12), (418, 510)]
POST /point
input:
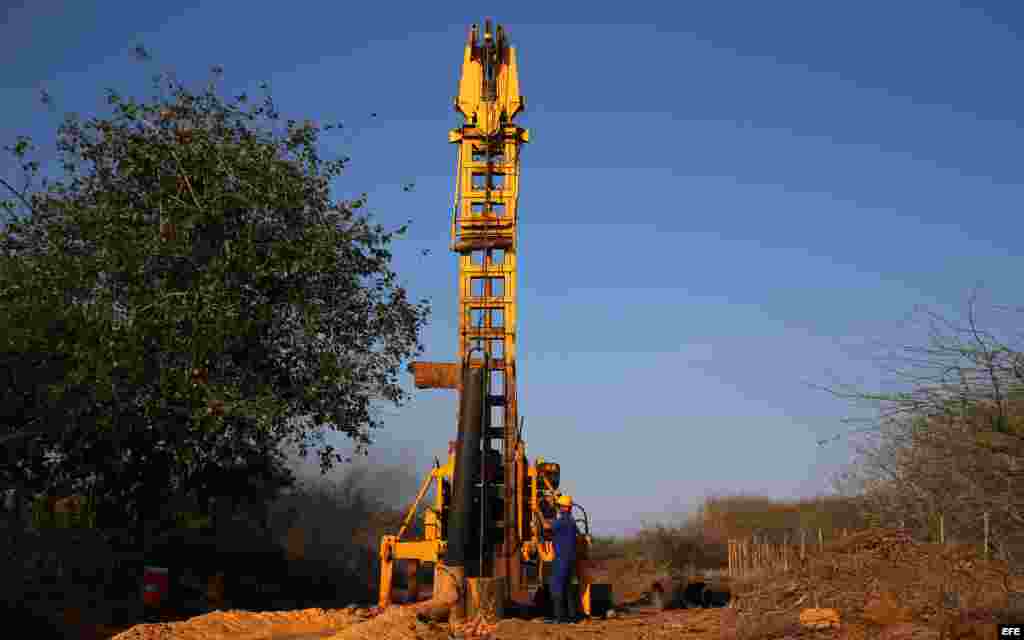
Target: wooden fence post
[(986, 535), (821, 541), (803, 544), (785, 551), (942, 528), (739, 556), (759, 559)]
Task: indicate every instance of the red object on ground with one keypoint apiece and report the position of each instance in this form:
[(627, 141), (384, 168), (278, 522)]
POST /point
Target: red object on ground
[(155, 585)]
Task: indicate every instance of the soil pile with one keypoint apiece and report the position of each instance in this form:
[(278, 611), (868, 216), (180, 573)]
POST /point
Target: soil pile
[(882, 582), (246, 625), (395, 623)]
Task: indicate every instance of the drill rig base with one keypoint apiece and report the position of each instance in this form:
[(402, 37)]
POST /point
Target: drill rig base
[(485, 598), (446, 601)]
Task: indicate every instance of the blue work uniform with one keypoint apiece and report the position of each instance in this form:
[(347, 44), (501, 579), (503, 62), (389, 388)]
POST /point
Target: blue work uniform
[(564, 534)]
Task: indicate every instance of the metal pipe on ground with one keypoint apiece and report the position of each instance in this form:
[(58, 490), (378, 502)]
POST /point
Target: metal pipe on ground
[(672, 593)]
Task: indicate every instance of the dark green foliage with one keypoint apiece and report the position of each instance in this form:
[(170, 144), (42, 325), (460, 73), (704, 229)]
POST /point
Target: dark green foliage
[(188, 300)]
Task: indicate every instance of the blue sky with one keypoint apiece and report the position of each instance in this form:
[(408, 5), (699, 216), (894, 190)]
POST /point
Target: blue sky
[(721, 203)]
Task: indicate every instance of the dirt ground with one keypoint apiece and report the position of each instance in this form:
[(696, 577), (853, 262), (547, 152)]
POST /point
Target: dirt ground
[(885, 585), (631, 618), (881, 583), (398, 624)]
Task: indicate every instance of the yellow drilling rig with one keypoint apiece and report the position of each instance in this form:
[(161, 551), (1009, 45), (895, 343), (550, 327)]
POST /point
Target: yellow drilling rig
[(490, 506)]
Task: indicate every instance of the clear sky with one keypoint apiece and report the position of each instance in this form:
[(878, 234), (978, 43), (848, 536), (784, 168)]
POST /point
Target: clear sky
[(721, 203)]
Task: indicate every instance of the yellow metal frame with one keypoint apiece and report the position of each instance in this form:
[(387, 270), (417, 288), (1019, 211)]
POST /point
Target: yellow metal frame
[(432, 547), (485, 216), (484, 223)]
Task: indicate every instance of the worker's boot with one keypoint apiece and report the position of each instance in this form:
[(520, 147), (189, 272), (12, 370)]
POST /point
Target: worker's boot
[(556, 610), (571, 600), (559, 601), (552, 617)]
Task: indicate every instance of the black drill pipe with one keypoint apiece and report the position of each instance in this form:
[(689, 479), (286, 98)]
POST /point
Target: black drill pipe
[(462, 531)]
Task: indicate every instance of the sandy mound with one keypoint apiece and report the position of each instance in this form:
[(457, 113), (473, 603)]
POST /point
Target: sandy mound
[(395, 623), (881, 580), (243, 625)]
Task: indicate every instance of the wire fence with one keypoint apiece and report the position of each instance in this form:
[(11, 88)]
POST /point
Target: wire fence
[(762, 553)]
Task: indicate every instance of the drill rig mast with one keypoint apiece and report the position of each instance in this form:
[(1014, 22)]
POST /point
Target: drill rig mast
[(490, 504), (484, 235)]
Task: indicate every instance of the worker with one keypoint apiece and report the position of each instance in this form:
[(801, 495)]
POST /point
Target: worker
[(564, 534)]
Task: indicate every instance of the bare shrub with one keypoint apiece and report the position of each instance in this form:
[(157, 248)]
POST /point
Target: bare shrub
[(947, 448)]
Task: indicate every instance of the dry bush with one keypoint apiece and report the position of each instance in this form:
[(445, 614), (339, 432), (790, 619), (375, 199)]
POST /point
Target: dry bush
[(680, 549), (948, 447), (880, 578), (923, 470), (632, 563), (744, 516), (607, 547), (343, 521), (701, 541)]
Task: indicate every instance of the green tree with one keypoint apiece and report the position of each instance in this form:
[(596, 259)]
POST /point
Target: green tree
[(188, 297)]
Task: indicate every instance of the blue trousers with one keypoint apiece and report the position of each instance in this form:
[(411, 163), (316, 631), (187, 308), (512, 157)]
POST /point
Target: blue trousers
[(561, 594)]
